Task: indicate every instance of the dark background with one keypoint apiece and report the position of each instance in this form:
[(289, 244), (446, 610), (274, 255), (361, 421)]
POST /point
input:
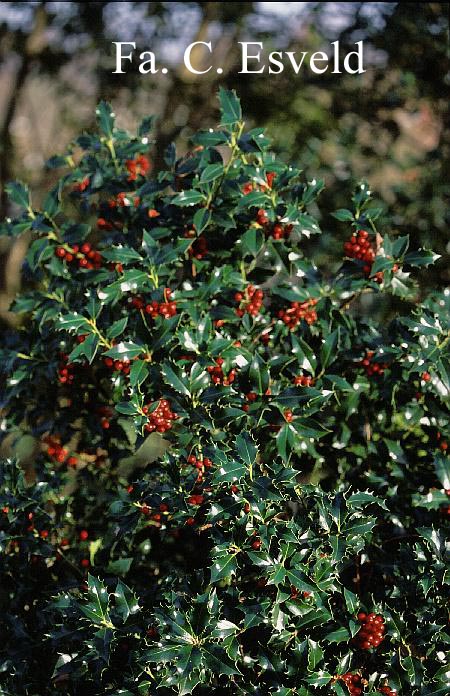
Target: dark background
[(388, 125)]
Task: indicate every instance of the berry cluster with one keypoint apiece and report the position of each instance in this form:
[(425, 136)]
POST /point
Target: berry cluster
[(152, 633), (295, 593), (298, 311), (200, 464), (124, 200), (387, 691), (118, 365), (303, 380), (85, 256), (371, 366), (288, 415), (250, 301), (372, 630), (352, 682), (104, 225), (160, 419), (279, 231), (155, 515), (196, 499), (262, 218), (249, 186), (276, 230), (270, 176), (66, 370), (199, 246), (140, 165), (443, 444), (154, 309), (105, 413), (57, 452), (359, 247), (82, 185), (218, 376), (265, 337)]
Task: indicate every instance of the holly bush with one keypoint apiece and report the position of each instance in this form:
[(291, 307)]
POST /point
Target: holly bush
[(240, 478)]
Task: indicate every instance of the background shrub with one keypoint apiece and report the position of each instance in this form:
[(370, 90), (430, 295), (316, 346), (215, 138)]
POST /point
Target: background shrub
[(240, 479)]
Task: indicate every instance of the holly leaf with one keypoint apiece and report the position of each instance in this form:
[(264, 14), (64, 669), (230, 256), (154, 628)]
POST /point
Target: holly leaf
[(125, 350), (442, 469), (175, 379), (343, 215), (105, 118), (211, 173), (126, 601), (188, 198), (230, 107), (19, 194), (223, 565), (138, 373), (246, 448)]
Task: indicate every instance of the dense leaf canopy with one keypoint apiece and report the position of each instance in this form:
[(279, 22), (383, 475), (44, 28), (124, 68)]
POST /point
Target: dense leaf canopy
[(240, 480)]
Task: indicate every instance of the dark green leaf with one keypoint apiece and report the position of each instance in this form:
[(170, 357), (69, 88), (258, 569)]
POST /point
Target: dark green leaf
[(126, 601), (187, 198), (343, 215), (230, 107), (105, 118), (19, 194), (246, 448), (138, 373), (211, 173), (176, 380)]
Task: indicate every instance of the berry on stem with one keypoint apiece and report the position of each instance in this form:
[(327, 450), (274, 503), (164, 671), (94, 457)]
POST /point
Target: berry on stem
[(298, 311), (161, 418), (371, 633)]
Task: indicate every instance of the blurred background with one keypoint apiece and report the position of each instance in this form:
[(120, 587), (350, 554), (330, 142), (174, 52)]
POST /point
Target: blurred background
[(388, 125)]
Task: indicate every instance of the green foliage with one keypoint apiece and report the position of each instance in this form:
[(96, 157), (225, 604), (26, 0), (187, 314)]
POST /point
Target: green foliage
[(190, 378)]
